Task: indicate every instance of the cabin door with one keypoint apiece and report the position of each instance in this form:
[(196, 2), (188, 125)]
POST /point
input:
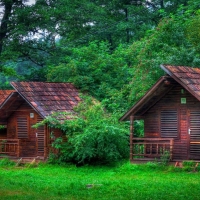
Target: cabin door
[(194, 135), (40, 138)]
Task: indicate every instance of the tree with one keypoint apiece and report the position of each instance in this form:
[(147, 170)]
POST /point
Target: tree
[(174, 42), (97, 70), (38, 32)]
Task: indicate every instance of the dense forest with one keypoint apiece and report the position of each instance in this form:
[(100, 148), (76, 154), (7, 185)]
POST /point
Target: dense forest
[(111, 51)]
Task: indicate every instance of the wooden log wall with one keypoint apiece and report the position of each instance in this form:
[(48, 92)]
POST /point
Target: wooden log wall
[(172, 100), (28, 144)]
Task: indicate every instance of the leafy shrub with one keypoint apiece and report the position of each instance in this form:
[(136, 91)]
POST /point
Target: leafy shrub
[(165, 158), (92, 135)]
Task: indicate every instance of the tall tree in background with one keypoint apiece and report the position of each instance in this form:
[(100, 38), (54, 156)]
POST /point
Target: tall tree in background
[(35, 27), (114, 77), (41, 34)]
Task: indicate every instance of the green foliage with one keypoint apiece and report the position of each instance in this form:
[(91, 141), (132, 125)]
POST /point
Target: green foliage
[(44, 34), (153, 165), (125, 180), (120, 77), (92, 136), (96, 70), (165, 158), (138, 128), (2, 127), (193, 29), (6, 162), (110, 50), (31, 165), (190, 163), (189, 166), (168, 43)]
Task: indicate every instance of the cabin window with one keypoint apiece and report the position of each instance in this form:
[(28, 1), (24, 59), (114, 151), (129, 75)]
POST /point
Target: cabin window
[(22, 127), (169, 123)]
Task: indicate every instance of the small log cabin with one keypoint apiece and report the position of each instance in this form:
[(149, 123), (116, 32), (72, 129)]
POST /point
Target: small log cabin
[(170, 111), (27, 104)]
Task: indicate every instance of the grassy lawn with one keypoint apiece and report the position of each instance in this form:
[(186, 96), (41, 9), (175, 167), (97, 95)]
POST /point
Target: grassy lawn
[(125, 181)]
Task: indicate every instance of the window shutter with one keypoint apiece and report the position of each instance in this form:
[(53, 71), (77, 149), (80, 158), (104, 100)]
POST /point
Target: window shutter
[(22, 127), (169, 123)]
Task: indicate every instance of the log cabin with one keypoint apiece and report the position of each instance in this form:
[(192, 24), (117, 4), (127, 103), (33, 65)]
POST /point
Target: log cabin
[(170, 112), (27, 104)]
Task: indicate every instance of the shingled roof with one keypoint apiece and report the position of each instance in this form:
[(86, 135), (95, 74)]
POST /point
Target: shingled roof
[(47, 98), (4, 94), (187, 77)]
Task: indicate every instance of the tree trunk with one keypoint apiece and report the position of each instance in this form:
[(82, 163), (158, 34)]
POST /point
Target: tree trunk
[(4, 23)]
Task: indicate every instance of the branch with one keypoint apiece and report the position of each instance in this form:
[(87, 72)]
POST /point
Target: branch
[(32, 60)]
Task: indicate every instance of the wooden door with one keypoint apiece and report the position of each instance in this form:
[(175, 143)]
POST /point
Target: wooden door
[(40, 138), (194, 135)]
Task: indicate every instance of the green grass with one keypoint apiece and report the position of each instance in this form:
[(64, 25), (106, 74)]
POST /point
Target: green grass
[(123, 182)]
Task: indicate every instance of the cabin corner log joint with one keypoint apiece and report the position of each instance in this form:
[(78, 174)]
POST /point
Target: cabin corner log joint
[(26, 105), (170, 111)]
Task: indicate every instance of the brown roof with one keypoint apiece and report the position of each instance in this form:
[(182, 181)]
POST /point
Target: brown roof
[(188, 77), (47, 98), (4, 94)]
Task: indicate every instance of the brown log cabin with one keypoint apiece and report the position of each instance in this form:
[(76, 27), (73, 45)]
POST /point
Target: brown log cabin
[(27, 104), (170, 111)]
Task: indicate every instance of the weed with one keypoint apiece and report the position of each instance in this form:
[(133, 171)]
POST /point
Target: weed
[(6, 162), (189, 166), (165, 158), (152, 165)]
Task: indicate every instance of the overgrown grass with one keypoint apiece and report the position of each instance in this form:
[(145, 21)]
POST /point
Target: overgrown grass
[(123, 182)]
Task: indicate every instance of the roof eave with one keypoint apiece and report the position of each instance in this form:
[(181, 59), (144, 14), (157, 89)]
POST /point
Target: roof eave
[(136, 107), (180, 82), (36, 110), (7, 99)]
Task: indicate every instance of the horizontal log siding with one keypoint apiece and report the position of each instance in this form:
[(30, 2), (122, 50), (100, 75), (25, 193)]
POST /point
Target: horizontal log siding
[(172, 100), (28, 146)]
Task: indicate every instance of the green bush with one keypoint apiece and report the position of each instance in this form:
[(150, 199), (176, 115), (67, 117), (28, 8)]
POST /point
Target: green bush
[(92, 136)]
